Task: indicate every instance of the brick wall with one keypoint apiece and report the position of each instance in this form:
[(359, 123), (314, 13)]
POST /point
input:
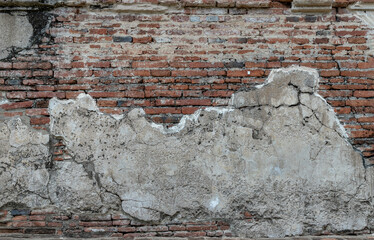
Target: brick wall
[(52, 223), (194, 54), (172, 61), (25, 222)]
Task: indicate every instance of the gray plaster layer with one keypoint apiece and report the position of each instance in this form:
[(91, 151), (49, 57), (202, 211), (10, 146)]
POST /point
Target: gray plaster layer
[(278, 152), (16, 32)]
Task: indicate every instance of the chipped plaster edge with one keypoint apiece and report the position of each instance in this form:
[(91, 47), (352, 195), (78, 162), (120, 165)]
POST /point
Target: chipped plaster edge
[(139, 112), (365, 12)]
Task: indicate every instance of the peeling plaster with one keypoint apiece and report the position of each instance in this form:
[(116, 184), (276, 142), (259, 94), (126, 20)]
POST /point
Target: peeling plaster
[(277, 152), (365, 12)]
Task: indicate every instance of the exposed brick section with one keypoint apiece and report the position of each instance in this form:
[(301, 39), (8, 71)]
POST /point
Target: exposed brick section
[(172, 64), (52, 223)]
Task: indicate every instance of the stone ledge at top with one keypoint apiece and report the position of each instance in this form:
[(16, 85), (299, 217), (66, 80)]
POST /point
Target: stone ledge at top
[(316, 6), (297, 5), (181, 3)]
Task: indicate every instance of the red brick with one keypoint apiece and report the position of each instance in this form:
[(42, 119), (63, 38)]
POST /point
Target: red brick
[(99, 64), (5, 65), (245, 73), (134, 94), (350, 33), (357, 103), (32, 82), (121, 222), (11, 114), (205, 65), (217, 73), (126, 229), (21, 65), (177, 228), (357, 73), (19, 218), (168, 110), (362, 134), (131, 73), (16, 95), (364, 94), (16, 105), (189, 110), (70, 95), (77, 64), (39, 120), (99, 31), (365, 119), (300, 40), (74, 73), (106, 103), (29, 224), (356, 40), (160, 73), (201, 228), (40, 65), (218, 93), (143, 40), (37, 217), (335, 93), (329, 73), (119, 235), (54, 224), (345, 110), (45, 94)]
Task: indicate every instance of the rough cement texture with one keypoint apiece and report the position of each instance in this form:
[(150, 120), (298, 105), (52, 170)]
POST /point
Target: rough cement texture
[(278, 152), (16, 32)]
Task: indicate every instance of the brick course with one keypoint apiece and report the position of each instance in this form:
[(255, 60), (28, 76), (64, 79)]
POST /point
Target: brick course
[(53, 223)]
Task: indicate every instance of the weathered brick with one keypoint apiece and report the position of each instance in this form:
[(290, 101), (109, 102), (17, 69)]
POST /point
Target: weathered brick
[(16, 105), (45, 94), (364, 94), (16, 95), (142, 40), (39, 120)]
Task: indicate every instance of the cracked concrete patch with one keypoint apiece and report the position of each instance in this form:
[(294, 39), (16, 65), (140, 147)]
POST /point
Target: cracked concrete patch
[(278, 152), (16, 32)]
